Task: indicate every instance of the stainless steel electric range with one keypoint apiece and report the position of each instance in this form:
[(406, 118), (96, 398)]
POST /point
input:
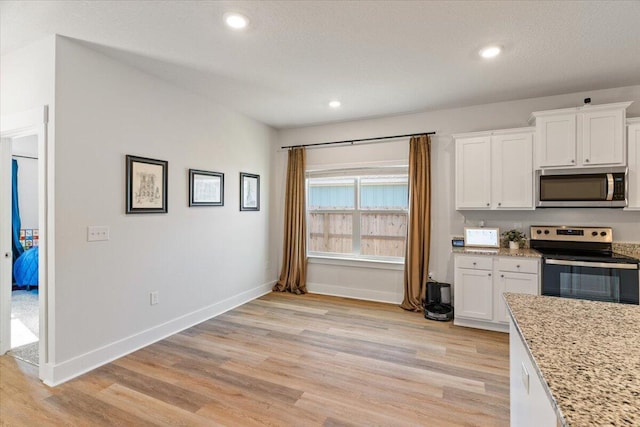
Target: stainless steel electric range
[(578, 262)]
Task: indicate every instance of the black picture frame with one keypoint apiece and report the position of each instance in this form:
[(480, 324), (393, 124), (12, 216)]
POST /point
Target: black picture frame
[(249, 192), (147, 185), (206, 188)]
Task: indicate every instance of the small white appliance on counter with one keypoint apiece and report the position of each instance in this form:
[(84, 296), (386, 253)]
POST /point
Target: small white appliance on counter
[(482, 237)]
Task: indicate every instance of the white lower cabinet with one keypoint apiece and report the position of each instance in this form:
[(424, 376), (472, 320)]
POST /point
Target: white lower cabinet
[(479, 283), (476, 301), (530, 405)]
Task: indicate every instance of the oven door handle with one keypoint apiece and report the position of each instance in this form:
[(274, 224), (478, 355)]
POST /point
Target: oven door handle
[(622, 266)]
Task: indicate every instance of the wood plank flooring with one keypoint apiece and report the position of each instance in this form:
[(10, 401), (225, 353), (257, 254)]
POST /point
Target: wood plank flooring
[(299, 360)]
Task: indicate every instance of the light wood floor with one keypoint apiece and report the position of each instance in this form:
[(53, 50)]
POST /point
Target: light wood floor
[(280, 360)]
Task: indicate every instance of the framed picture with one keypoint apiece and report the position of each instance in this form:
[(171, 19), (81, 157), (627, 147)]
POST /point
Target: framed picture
[(249, 192), (147, 181), (206, 188)]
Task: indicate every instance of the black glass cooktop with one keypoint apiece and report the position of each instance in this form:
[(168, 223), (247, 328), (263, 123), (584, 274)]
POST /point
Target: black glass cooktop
[(595, 256)]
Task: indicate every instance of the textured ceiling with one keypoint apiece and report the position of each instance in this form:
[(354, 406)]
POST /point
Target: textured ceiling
[(378, 57)]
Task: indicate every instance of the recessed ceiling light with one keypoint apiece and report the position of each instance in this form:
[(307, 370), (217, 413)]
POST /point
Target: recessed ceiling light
[(236, 21), (490, 51), (335, 104)]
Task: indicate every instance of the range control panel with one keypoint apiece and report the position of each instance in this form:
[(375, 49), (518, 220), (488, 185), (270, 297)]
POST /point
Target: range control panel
[(572, 234)]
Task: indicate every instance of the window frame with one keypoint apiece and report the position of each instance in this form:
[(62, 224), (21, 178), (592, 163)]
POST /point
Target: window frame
[(356, 212)]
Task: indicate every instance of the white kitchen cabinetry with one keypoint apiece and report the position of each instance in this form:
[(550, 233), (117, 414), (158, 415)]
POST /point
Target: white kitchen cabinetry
[(480, 281), (530, 405), (513, 275), (592, 135), (494, 169), (634, 164), (473, 287)]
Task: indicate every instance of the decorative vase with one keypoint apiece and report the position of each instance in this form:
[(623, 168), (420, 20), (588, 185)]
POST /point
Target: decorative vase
[(514, 245)]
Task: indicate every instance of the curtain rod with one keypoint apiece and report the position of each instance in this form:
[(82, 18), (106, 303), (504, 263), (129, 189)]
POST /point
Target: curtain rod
[(24, 157), (351, 141)]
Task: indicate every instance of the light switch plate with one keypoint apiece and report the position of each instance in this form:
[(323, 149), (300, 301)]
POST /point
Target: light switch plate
[(96, 233)]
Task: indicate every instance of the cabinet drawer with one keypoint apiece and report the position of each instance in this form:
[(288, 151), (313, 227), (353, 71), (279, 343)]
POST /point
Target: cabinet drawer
[(474, 262), (518, 265)]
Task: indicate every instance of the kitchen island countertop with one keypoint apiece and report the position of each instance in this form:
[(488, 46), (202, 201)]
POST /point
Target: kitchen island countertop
[(587, 354)]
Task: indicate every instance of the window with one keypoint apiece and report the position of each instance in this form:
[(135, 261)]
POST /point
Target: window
[(358, 213)]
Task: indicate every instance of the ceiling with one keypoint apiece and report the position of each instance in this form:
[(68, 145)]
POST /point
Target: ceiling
[(377, 57)]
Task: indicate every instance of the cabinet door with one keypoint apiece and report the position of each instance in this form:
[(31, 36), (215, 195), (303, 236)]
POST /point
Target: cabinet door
[(473, 173), (603, 137), (473, 291), (512, 177), (517, 283), (556, 140), (634, 166), (529, 404)]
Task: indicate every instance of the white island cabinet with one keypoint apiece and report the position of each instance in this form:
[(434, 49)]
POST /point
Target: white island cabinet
[(530, 405)]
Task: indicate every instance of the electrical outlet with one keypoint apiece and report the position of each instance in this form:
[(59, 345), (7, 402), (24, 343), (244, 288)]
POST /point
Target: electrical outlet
[(153, 297), (96, 233)]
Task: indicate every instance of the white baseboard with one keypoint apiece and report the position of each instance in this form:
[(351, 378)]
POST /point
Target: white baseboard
[(363, 294), (479, 324), (69, 369)]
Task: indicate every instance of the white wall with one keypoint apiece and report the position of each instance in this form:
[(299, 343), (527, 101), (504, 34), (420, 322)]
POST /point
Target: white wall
[(27, 77), (26, 148), (201, 260), (446, 221)]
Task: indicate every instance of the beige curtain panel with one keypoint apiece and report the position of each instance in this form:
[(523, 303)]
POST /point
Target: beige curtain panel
[(416, 264), (294, 258)]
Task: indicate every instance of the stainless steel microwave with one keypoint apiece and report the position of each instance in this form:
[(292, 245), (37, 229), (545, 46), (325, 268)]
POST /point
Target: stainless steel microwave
[(586, 188)]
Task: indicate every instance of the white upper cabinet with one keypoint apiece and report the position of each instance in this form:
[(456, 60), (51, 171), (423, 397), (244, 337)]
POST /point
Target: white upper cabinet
[(592, 135), (556, 136), (473, 173), (634, 164), (512, 172), (494, 169), (603, 137)]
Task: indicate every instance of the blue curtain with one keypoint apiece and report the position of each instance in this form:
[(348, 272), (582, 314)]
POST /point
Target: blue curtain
[(15, 214)]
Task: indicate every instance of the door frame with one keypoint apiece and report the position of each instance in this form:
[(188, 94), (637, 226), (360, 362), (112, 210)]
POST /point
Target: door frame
[(32, 122)]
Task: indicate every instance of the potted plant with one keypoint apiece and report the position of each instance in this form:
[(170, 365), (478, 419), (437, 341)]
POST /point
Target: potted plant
[(515, 238)]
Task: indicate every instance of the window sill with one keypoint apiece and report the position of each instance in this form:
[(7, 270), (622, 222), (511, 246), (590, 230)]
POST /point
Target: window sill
[(355, 262)]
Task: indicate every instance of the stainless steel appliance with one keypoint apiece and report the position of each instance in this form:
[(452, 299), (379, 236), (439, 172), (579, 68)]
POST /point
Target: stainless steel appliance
[(578, 262), (594, 188)]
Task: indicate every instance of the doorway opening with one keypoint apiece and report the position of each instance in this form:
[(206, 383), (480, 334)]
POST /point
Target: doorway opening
[(25, 236), (24, 217)]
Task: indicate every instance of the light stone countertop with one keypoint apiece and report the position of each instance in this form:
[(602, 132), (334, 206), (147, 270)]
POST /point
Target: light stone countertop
[(627, 248), (587, 354), (525, 252)]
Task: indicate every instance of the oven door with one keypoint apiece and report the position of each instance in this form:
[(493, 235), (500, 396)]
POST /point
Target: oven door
[(599, 281)]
